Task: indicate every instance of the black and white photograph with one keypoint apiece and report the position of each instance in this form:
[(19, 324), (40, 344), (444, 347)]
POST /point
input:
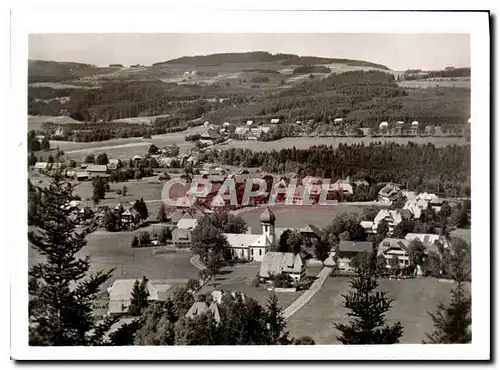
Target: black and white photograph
[(261, 192)]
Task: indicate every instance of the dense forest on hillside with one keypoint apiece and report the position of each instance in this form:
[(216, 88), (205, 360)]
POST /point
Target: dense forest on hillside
[(312, 69), (115, 100), (297, 60), (446, 73), (362, 98), (376, 162), (49, 71), (218, 59), (262, 57)]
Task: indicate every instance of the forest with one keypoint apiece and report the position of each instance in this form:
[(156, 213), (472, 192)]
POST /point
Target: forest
[(312, 69)]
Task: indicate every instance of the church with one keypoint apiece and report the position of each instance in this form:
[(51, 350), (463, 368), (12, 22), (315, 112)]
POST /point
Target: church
[(253, 247)]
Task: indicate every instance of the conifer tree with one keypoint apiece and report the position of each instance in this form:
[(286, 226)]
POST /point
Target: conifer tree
[(61, 289), (368, 308), (452, 323), (276, 322), (139, 298), (162, 214)]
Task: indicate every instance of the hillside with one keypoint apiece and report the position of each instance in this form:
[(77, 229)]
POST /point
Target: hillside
[(264, 57), (51, 71)]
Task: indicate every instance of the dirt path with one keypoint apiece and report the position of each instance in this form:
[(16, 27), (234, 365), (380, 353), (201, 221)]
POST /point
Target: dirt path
[(306, 297)]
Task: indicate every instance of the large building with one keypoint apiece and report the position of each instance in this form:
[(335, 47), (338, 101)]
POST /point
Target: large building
[(253, 247)]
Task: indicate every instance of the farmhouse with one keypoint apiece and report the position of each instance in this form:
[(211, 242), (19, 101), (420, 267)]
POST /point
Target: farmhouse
[(277, 263), (181, 237), (200, 308), (392, 247), (389, 193), (113, 164), (342, 186), (383, 125), (42, 166), (348, 250), (130, 218), (392, 217), (97, 170), (120, 293), (275, 121), (187, 223)]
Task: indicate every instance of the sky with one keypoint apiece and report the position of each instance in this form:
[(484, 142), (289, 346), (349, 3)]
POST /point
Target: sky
[(396, 51)]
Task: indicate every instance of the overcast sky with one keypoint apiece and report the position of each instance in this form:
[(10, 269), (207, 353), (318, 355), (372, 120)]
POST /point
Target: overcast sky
[(396, 51)]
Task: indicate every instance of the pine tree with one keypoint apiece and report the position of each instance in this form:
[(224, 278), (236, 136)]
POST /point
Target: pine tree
[(139, 298), (61, 290), (276, 322), (135, 242), (162, 215), (368, 309), (452, 323)]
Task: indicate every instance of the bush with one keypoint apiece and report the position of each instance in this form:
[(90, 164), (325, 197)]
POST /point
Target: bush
[(118, 191), (256, 282)]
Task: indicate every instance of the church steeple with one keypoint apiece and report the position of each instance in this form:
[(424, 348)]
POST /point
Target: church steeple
[(267, 219)]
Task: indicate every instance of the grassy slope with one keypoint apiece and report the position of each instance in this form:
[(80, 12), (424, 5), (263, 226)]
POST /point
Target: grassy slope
[(412, 300)]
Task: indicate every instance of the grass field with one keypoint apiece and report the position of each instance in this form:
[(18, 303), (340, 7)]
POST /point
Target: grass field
[(299, 216), (126, 148), (412, 300), (424, 84), (239, 279), (112, 250)]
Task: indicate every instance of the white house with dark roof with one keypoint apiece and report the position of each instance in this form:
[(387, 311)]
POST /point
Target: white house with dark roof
[(392, 247)]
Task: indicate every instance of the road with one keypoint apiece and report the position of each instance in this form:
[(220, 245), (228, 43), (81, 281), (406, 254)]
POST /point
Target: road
[(308, 294)]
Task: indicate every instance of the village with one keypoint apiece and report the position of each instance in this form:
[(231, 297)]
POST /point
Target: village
[(255, 255)]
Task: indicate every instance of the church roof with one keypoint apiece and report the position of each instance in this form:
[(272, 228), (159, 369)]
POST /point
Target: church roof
[(267, 216)]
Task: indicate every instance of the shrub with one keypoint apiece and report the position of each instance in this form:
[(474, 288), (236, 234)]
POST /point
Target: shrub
[(119, 191), (256, 282)]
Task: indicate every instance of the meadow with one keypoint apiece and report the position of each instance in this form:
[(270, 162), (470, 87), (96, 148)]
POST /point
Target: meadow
[(413, 298), (299, 216)]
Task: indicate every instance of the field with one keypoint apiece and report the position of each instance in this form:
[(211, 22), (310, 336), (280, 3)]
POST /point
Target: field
[(239, 279), (36, 122), (126, 148), (299, 216), (112, 250), (412, 300)]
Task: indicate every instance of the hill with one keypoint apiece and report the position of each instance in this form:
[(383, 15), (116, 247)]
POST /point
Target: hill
[(263, 57), (51, 71)]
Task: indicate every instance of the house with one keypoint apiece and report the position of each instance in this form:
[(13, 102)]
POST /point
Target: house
[(83, 166), (130, 218), (342, 186), (226, 124), (389, 194), (348, 250), (361, 183), (207, 138), (392, 217), (187, 223), (241, 131), (42, 166), (120, 292), (337, 120), (82, 176), (136, 159), (249, 122), (181, 237), (383, 125), (265, 129), (432, 199), (430, 241), (97, 169), (368, 227), (275, 121), (200, 308), (391, 247), (113, 164), (277, 263), (219, 295)]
